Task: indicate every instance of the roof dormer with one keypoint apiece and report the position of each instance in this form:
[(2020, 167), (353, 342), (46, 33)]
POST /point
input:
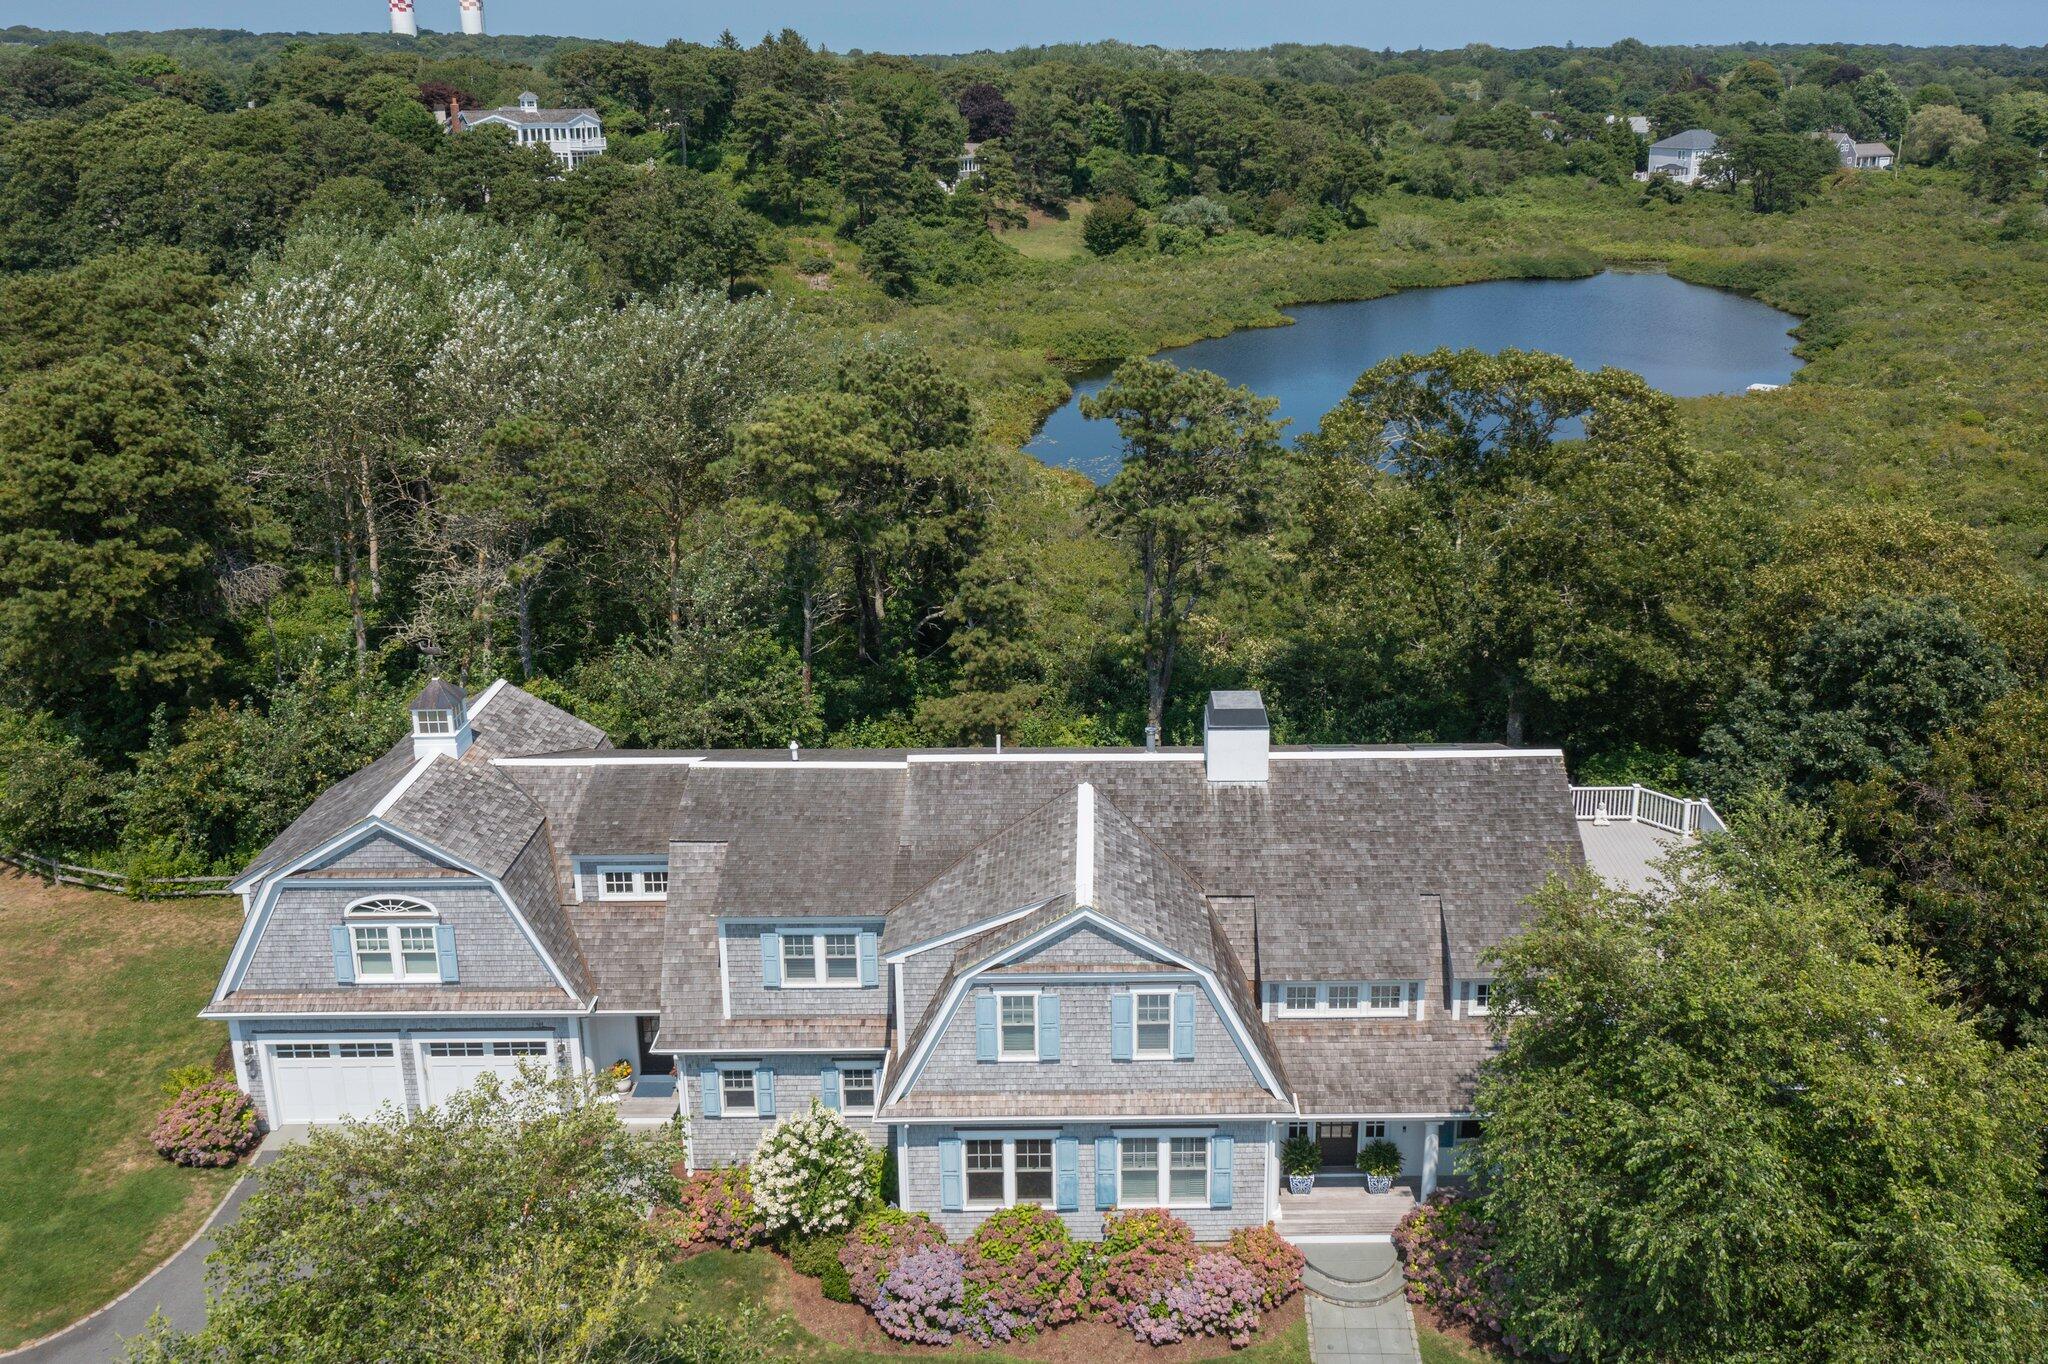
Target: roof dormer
[(440, 721), (529, 101)]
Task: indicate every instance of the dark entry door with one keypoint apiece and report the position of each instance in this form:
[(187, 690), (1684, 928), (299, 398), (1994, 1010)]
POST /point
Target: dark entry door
[(1338, 1142), (650, 1063)]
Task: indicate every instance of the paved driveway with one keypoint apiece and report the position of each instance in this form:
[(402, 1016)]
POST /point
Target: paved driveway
[(177, 1289)]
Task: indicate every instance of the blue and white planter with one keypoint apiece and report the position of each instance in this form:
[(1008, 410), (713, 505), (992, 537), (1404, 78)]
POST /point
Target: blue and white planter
[(1301, 1184)]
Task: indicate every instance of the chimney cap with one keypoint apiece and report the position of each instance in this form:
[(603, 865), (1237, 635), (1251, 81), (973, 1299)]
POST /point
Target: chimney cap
[(438, 695), (1237, 710)]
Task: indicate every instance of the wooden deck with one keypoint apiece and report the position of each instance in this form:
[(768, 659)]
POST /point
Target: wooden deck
[(1336, 1208)]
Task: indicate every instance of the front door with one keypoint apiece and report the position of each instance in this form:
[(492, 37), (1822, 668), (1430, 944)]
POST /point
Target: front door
[(1338, 1142), (652, 1063)]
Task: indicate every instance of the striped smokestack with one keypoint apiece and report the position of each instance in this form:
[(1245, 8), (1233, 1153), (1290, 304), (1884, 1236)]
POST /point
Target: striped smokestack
[(472, 16), (402, 21)]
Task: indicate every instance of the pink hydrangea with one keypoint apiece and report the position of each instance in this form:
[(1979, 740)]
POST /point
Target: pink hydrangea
[(207, 1125)]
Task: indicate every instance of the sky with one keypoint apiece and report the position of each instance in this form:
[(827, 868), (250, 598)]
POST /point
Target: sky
[(930, 26)]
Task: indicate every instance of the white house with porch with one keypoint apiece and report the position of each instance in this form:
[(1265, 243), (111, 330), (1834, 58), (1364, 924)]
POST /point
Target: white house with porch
[(573, 135)]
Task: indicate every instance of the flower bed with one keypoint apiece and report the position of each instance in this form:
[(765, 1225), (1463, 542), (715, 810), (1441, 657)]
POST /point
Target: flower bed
[(1447, 1260)]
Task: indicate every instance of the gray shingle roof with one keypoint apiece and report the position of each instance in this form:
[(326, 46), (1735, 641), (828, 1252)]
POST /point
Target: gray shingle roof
[(1691, 140), (515, 724), (395, 999), (802, 841), (621, 941), (512, 113), (1365, 1066)]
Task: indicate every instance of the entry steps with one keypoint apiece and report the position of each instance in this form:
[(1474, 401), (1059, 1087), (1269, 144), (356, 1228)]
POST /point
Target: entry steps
[(1353, 1274)]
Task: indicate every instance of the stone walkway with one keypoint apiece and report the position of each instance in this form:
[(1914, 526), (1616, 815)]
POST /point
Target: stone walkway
[(1357, 1313)]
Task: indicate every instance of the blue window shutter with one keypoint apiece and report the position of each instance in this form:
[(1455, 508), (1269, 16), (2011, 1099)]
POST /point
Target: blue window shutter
[(1048, 1027), (828, 1087), (771, 959), (984, 1027), (1066, 1174), (870, 962), (950, 1195), (1222, 1168), (764, 1092), (712, 1101), (1184, 1025), (344, 959), (1119, 1027), (1105, 1172), (444, 947)]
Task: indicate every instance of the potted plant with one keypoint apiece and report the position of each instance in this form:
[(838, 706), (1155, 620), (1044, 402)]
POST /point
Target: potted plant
[(1379, 1161), (620, 1073), (1300, 1158)]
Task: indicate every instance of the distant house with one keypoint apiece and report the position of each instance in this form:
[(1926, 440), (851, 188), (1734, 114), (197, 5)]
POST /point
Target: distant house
[(1639, 124), (969, 163), (1682, 156), (1859, 155), (573, 135)]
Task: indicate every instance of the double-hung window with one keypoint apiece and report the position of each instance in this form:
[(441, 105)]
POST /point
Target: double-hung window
[(628, 883), (986, 1178), (1017, 1027), (1163, 1172), (857, 1089), (387, 948), (1480, 1000), (1152, 1011), (821, 958), (736, 1092)]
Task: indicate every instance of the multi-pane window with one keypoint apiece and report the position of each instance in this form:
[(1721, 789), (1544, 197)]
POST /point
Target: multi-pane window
[(857, 1089), (433, 722), (1033, 1170), (1018, 1026), (444, 1050), (1482, 996), (736, 1091), (1138, 1162), (1188, 1179), (984, 1156), (364, 1051), (391, 952), (842, 956), (821, 958), (1154, 1013), (300, 1051), (626, 883), (1167, 1171), (1372, 1131), (1346, 998)]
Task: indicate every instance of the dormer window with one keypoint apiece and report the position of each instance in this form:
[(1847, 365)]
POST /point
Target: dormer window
[(1345, 999), (388, 949)]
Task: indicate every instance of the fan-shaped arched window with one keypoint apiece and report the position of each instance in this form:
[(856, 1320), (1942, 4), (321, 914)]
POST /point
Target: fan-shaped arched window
[(381, 905)]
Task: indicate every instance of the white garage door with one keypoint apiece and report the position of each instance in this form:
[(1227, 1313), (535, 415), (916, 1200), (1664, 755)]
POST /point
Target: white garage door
[(451, 1066), (329, 1081)]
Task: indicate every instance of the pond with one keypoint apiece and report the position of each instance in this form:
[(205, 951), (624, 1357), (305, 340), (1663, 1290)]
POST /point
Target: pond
[(1683, 338)]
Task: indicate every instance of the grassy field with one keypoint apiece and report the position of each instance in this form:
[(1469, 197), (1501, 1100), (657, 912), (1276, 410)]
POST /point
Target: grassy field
[(1438, 1348), (1046, 238), (1922, 326), (101, 993), (726, 1285)]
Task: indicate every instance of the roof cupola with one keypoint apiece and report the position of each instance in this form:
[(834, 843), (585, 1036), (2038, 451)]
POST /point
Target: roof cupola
[(440, 721)]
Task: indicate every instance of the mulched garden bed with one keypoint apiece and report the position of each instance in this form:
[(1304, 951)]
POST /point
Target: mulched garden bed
[(1082, 1342)]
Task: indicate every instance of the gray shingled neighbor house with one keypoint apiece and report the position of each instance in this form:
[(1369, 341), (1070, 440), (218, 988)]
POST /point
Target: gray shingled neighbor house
[(1085, 978)]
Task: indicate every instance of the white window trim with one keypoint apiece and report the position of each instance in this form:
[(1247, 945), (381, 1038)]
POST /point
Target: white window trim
[(1009, 1141), (402, 907), (1163, 1138), (1323, 1009), (818, 980), (639, 883), (1003, 1055), (392, 927), (1139, 1053), (1468, 998), (874, 1068), (752, 1072)]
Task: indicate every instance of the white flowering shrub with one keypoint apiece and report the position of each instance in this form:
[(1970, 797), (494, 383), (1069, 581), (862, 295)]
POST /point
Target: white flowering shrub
[(809, 1173)]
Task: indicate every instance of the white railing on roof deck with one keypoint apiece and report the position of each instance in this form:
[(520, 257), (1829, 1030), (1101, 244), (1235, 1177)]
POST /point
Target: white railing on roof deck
[(1639, 804)]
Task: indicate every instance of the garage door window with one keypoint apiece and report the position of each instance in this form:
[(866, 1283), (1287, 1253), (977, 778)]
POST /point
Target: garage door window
[(302, 1051), (364, 1051)]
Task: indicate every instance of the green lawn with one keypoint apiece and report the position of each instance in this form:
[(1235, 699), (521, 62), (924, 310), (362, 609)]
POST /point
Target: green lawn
[(101, 993), (1049, 238), (728, 1285), (1438, 1348)]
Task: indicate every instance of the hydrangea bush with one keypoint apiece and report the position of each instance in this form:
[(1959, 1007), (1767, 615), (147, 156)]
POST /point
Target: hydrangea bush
[(714, 1208), (878, 1243), (209, 1124), (1273, 1261), (1142, 1254), (1024, 1262), (811, 1173), (1447, 1258), (1219, 1296)]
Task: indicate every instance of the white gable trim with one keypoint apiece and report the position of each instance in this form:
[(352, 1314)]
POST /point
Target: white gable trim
[(604, 760), (254, 923), (1211, 987), (402, 785), (486, 696), (897, 956)]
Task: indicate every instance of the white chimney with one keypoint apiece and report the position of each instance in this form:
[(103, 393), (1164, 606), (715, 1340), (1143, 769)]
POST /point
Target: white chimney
[(472, 16), (1236, 737), (402, 21), (440, 721)]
